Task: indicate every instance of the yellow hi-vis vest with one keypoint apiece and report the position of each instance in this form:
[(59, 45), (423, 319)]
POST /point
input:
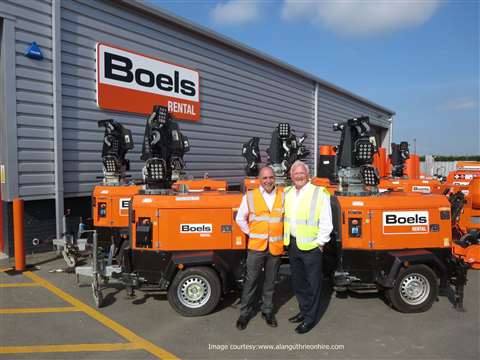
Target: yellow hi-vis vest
[(266, 227), (307, 216)]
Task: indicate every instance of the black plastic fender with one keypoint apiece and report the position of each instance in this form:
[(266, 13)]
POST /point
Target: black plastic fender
[(200, 258), (403, 258)]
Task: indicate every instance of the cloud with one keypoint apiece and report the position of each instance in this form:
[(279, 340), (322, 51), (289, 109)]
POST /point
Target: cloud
[(460, 104), (236, 12), (361, 18)]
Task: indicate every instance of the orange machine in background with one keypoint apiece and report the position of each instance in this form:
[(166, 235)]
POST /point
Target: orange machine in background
[(110, 205), (460, 178), (412, 167), (403, 172), (195, 185), (470, 216)]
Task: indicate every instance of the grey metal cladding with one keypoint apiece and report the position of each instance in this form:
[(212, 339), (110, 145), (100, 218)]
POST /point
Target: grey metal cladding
[(241, 96), (34, 98), (335, 107)]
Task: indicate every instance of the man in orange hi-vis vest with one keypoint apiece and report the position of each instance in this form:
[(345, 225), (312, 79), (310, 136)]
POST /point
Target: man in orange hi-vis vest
[(260, 216)]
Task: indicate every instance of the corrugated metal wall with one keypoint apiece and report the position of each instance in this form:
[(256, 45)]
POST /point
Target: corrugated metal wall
[(334, 107), (439, 167), (33, 22), (241, 97)]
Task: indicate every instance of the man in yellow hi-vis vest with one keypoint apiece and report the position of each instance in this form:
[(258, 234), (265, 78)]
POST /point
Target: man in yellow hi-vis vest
[(307, 227), (260, 215)]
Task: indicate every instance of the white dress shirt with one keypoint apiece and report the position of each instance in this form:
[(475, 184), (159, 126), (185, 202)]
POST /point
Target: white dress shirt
[(243, 210), (325, 225)]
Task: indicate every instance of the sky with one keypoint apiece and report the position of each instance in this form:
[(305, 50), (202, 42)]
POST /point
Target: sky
[(418, 58)]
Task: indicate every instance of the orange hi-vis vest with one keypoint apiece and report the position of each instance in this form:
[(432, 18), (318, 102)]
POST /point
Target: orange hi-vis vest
[(266, 227)]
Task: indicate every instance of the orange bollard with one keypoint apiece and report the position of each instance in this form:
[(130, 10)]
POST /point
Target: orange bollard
[(18, 235)]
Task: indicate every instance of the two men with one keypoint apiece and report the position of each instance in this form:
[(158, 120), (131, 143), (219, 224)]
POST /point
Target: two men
[(306, 228)]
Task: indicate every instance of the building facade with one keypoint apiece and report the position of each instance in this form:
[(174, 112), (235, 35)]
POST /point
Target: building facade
[(50, 142)]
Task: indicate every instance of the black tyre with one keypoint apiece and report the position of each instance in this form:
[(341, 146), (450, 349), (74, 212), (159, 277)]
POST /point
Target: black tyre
[(416, 288), (195, 291)]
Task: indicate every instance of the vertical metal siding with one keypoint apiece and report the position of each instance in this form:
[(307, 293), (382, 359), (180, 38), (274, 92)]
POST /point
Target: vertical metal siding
[(34, 140), (241, 97), (334, 107)]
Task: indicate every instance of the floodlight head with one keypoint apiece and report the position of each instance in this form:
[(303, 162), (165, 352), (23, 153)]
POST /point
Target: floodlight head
[(369, 175), (154, 170), (161, 114), (338, 127), (364, 151), (284, 130), (405, 153), (110, 164)]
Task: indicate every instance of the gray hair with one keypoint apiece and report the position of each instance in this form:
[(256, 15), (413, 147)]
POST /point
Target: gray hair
[(266, 167), (297, 164)]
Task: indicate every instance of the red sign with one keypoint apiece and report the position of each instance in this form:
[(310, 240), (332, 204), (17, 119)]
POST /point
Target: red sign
[(132, 82)]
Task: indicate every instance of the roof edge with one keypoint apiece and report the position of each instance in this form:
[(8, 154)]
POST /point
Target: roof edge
[(186, 24)]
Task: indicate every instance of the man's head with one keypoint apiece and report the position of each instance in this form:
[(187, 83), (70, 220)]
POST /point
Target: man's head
[(267, 178), (299, 174)]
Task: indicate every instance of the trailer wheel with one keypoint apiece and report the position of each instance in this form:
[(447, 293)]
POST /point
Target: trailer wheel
[(415, 290), (69, 258), (195, 291)]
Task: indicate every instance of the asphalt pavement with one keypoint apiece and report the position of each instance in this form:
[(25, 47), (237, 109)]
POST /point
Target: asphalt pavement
[(45, 314)]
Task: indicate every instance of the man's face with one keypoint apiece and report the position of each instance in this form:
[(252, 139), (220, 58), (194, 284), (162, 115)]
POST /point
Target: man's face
[(267, 179), (299, 176)]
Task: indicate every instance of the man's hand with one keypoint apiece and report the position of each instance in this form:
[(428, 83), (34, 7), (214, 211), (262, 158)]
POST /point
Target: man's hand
[(320, 247)]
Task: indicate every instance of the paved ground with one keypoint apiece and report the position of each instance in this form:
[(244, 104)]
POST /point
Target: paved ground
[(46, 315)]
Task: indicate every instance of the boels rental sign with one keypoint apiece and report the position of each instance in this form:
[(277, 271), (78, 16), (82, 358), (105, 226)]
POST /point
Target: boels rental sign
[(132, 82)]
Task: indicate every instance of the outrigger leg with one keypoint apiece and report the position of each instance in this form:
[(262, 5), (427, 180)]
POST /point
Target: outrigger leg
[(460, 281)]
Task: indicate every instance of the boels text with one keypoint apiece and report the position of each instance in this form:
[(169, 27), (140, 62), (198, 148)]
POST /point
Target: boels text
[(121, 68), (195, 228), (405, 222), (393, 219), (128, 81)]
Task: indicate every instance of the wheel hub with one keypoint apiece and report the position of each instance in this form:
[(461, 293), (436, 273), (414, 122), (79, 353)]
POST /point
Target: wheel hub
[(414, 289), (194, 292)]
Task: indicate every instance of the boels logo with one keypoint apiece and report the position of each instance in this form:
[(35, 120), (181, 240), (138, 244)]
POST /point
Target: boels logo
[(124, 204), (196, 228), (132, 82), (405, 222)]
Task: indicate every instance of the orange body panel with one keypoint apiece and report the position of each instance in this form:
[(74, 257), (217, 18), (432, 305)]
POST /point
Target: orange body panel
[(110, 204), (426, 186), (201, 185), (470, 255), (327, 150), (412, 166), (396, 221), (470, 216), (468, 165), (461, 178), (331, 188), (198, 221), (380, 161), (250, 183)]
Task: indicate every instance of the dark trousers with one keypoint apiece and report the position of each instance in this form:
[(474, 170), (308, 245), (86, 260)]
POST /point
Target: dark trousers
[(256, 261), (306, 269)]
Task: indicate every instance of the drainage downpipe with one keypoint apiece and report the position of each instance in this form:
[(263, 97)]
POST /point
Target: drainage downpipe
[(315, 133), (57, 117)]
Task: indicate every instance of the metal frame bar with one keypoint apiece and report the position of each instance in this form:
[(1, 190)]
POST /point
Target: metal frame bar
[(315, 132), (57, 117), (8, 65)]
